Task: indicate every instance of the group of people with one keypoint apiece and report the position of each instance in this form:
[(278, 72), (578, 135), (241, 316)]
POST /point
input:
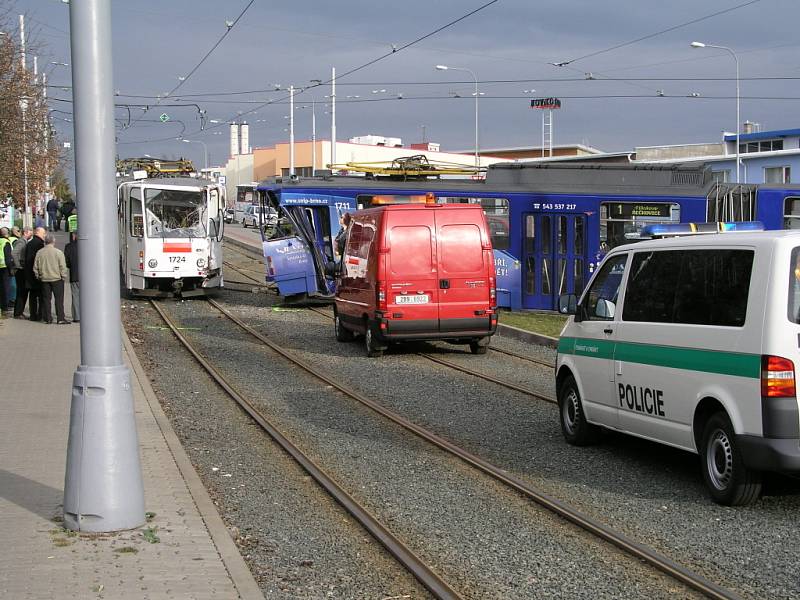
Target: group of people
[(55, 213), (39, 271)]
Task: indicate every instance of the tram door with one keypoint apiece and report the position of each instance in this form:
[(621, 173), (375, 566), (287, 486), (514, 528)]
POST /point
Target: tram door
[(554, 258)]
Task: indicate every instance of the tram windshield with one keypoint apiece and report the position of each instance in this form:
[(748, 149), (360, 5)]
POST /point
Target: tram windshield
[(175, 213)]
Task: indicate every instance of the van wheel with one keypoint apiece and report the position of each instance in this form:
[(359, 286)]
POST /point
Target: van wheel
[(576, 429), (730, 482), (480, 346), (244, 224), (374, 349), (342, 334)]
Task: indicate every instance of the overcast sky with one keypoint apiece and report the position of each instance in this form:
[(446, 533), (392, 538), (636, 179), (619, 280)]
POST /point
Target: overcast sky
[(157, 42)]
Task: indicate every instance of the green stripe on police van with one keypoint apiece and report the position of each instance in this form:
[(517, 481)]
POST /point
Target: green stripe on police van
[(690, 359)]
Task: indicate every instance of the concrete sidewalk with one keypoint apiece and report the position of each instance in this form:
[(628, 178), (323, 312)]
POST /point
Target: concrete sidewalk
[(194, 555)]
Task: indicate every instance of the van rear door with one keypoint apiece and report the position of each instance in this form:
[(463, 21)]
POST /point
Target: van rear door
[(411, 274), (465, 266)]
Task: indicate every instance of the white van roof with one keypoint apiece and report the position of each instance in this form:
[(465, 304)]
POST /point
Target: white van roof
[(732, 238)]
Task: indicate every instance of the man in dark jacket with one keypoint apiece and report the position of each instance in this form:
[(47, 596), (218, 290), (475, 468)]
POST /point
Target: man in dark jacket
[(33, 285), (52, 213), (71, 254), (66, 210)]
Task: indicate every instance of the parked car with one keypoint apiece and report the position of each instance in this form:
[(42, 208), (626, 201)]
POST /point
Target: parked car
[(228, 215), (417, 272), (252, 216)]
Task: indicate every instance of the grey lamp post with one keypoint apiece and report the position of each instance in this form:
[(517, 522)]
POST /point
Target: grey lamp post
[(477, 148), (205, 150), (738, 121)]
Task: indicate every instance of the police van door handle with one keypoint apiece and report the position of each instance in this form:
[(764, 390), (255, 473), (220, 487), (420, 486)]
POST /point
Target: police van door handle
[(608, 330), (444, 284)]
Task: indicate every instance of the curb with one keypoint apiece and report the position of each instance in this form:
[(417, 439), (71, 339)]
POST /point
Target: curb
[(237, 568), (526, 336)]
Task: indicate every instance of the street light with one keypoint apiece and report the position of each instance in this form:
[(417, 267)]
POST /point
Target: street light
[(736, 60), (477, 150), (205, 149)]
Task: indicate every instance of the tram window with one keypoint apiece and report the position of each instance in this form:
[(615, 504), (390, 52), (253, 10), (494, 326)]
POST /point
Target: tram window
[(530, 233), (530, 274), (578, 225), (547, 235), (137, 222), (175, 213), (216, 213), (562, 235), (562, 276), (621, 222), (791, 213), (546, 275)]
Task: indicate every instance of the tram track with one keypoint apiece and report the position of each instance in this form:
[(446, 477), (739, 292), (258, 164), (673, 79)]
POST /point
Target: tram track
[(418, 568), (478, 374), (588, 524)]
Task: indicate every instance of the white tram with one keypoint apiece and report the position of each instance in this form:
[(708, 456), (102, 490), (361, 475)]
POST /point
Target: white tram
[(170, 235)]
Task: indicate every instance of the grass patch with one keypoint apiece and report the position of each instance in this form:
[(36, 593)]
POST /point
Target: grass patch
[(60, 542), (149, 516), (150, 535), (544, 323), (126, 550)]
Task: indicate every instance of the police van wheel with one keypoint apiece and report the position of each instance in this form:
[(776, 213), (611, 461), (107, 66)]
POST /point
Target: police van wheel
[(730, 482), (374, 349), (576, 429), (342, 334)]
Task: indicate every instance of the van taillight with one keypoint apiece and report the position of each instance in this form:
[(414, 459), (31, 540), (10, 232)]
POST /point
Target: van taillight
[(381, 295), (270, 268), (777, 377), (492, 288)]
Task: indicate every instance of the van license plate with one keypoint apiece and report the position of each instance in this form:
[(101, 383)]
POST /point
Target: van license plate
[(416, 299)]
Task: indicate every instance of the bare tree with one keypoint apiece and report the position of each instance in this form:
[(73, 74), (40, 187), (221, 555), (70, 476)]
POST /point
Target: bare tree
[(26, 136)]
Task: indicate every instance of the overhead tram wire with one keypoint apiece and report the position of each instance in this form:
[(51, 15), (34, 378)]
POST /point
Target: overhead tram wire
[(373, 61), (655, 34), (186, 78), (204, 95)]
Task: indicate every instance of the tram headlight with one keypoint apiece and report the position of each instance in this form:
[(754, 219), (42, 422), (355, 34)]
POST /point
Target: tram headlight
[(201, 262), (152, 263)]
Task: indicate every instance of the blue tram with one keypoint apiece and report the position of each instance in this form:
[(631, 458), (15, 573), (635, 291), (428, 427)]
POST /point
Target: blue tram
[(551, 224)]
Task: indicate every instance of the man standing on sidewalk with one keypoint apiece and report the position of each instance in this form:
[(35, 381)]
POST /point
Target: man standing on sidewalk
[(50, 267), (33, 285), (18, 251), (52, 213), (71, 254), (6, 264)]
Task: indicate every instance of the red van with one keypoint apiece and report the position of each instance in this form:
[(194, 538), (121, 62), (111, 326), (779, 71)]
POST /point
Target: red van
[(417, 272)]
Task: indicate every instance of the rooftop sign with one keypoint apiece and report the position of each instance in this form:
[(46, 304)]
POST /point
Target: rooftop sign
[(546, 103)]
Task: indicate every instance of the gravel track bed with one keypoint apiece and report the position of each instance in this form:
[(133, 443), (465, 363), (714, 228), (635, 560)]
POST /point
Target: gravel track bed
[(650, 492), (486, 541), (297, 541)]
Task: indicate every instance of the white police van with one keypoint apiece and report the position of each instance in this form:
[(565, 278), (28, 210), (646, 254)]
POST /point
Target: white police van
[(691, 342)]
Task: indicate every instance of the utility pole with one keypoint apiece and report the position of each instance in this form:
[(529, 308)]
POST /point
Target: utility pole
[(27, 220), (333, 115), (103, 483), (291, 131)]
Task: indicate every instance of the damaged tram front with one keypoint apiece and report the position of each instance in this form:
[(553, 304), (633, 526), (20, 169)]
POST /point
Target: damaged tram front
[(170, 235)]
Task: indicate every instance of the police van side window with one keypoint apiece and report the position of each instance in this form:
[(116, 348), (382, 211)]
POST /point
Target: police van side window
[(601, 299), (794, 287), (693, 287)]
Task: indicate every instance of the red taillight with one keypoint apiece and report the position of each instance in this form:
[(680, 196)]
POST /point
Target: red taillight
[(492, 288), (381, 295), (270, 268), (777, 377), (141, 260)]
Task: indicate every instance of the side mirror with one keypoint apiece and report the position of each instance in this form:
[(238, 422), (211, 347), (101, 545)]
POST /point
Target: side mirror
[(568, 304), (605, 309)]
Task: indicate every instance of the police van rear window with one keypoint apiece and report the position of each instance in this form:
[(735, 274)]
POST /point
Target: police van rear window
[(794, 287), (697, 287)]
